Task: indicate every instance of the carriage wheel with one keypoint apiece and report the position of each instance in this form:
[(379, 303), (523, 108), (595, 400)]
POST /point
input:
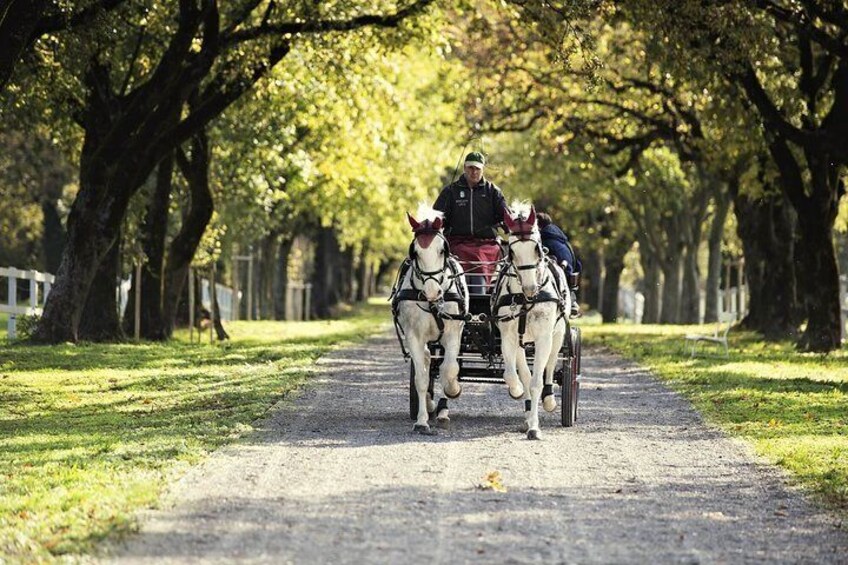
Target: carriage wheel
[(578, 362), (570, 368), (413, 392)]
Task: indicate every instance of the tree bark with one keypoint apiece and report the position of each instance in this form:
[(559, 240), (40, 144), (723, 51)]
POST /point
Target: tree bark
[(722, 206), (184, 245), (670, 310), (100, 321), (650, 285), (590, 284), (690, 292), (362, 273), (281, 280), (326, 290), (766, 227), (153, 231), (613, 266)]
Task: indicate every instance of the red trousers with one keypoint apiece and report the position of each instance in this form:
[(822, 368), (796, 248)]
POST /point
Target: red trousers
[(471, 251)]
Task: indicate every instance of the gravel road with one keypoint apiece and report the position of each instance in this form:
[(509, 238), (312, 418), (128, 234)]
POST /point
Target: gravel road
[(336, 475)]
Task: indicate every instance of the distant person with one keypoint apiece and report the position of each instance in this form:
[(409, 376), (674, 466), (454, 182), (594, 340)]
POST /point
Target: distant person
[(558, 245), (473, 207)]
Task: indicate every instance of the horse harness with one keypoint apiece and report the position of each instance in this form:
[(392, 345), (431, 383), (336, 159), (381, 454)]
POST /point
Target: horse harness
[(524, 304), (414, 294)]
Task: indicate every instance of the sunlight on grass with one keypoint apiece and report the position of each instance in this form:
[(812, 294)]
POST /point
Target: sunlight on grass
[(90, 433), (792, 407)]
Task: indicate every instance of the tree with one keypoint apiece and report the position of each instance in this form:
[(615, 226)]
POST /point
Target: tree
[(788, 63), (128, 126)]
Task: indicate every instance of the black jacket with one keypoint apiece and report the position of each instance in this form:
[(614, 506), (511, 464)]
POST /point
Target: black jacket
[(471, 212)]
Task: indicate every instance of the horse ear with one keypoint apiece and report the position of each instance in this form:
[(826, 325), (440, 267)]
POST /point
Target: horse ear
[(507, 217), (412, 222), (531, 219), (437, 224)]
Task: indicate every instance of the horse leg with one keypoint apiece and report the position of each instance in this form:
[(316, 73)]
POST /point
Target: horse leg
[(431, 403), (543, 350), (509, 347), (420, 359), (526, 375), (548, 399), (449, 371)]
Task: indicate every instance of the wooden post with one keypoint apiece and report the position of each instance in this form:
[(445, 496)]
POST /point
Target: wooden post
[(33, 289), (726, 305), (137, 325), (13, 302), (212, 304), (307, 307), (235, 276), (250, 286), (191, 305)]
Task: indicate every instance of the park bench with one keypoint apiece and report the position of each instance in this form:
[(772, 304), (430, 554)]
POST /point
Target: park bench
[(718, 338)]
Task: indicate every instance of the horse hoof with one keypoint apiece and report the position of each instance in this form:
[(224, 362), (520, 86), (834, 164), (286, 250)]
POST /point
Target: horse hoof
[(524, 427), (549, 403), (443, 422), (452, 396), (518, 396), (534, 434), (421, 428)]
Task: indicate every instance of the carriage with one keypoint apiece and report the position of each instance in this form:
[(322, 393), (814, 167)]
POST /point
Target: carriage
[(480, 359)]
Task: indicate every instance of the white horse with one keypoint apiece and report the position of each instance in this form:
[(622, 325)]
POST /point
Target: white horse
[(529, 304), (430, 303)]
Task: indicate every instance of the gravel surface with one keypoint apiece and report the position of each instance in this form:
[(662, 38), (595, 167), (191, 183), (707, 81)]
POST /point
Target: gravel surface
[(336, 475)]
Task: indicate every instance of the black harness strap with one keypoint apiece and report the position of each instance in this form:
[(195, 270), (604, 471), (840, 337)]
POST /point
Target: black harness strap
[(435, 308)]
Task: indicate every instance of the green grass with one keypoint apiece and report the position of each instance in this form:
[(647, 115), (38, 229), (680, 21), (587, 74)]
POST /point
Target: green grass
[(792, 407), (91, 433)]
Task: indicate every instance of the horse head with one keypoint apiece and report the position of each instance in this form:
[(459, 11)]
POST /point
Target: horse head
[(429, 254), (525, 250)]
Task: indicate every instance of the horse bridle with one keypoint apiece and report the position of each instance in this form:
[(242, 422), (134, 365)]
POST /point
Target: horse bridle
[(527, 236), (438, 276)]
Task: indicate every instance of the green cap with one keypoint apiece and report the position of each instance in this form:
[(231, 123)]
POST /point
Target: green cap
[(475, 159)]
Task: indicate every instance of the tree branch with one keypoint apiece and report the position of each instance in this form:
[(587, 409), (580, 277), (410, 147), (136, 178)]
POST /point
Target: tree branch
[(321, 26)]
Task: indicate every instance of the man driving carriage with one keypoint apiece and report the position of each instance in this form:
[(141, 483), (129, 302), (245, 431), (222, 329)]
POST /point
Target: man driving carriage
[(473, 207)]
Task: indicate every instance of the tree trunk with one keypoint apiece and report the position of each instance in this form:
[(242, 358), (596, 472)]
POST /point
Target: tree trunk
[(326, 277), (613, 266), (281, 280), (268, 249), (650, 285), (362, 272), (722, 205), (824, 326), (670, 310), (53, 237), (690, 294), (100, 320), (153, 232), (184, 245), (590, 284), (766, 228)]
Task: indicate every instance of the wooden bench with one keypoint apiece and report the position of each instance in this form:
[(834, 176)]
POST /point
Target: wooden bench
[(718, 338)]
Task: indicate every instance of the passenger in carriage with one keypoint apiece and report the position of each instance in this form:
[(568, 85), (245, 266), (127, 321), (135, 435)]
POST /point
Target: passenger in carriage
[(558, 245), (473, 208)]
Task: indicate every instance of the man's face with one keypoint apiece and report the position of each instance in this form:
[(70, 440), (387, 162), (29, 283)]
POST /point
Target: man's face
[(473, 174)]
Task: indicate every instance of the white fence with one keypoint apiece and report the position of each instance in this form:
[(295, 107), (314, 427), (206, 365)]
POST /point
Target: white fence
[(35, 281), (631, 303)]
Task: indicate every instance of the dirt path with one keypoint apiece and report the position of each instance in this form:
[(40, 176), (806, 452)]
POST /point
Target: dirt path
[(337, 476)]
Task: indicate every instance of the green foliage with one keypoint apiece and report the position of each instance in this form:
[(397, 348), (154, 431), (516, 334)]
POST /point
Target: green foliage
[(89, 434), (791, 407)]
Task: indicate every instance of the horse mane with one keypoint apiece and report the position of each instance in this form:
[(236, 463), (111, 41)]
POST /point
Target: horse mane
[(426, 212), (520, 210)]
